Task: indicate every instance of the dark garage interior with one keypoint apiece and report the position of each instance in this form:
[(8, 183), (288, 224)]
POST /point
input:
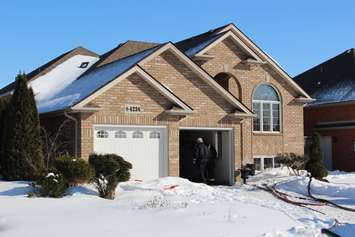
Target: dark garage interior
[(221, 140)]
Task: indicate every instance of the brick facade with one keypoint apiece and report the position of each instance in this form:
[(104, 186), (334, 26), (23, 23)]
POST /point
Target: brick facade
[(244, 79), (342, 138), (210, 109)]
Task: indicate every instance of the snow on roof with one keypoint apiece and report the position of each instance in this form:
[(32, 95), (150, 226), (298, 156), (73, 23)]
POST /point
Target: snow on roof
[(49, 85), (342, 90), (84, 86), (194, 50)]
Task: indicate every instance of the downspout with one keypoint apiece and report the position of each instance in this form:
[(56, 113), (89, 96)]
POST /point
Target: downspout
[(75, 132)]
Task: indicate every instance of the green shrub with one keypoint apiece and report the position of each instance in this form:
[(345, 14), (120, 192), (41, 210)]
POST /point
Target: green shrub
[(22, 149), (110, 169), (3, 105), (75, 171), (51, 185), (315, 163)]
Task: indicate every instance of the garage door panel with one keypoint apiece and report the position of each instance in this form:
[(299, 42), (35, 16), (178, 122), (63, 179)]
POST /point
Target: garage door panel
[(143, 147)]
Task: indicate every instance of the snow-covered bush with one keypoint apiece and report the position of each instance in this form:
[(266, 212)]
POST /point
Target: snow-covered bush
[(110, 169), (51, 185), (75, 171)]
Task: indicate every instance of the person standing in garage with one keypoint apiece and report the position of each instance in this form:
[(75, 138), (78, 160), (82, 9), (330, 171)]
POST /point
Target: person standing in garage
[(212, 156), (200, 158)]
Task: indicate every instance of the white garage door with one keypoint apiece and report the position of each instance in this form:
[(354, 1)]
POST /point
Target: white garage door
[(144, 147)]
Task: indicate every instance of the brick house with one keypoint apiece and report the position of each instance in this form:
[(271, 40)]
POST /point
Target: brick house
[(148, 102), (332, 84)]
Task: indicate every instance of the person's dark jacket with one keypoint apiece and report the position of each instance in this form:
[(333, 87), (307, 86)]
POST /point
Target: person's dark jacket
[(201, 153)]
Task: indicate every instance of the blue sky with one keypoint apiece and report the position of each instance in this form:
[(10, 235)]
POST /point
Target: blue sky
[(298, 34)]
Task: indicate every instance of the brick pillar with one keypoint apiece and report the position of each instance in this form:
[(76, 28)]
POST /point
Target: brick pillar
[(174, 156)]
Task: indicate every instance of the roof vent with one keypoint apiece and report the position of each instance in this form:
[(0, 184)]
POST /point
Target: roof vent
[(84, 65)]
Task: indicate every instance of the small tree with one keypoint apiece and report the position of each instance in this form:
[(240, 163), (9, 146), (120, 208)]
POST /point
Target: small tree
[(23, 155), (110, 169), (3, 105), (315, 164)]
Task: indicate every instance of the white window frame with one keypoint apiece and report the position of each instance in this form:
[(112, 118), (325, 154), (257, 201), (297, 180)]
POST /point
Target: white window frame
[(270, 102), (262, 158)]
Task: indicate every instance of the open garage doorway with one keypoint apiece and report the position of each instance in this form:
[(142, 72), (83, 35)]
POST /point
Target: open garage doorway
[(222, 140)]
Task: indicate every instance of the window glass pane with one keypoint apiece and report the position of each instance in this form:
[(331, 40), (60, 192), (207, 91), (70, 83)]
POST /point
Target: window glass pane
[(137, 134), (276, 117), (268, 163), (102, 134), (265, 92), (154, 135), (266, 117), (257, 163), (120, 134), (277, 163), (256, 120)]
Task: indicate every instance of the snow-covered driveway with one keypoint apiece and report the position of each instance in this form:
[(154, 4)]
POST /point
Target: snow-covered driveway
[(164, 207)]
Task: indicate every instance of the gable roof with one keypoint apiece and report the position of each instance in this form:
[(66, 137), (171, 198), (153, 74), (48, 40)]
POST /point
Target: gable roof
[(47, 67), (132, 54), (241, 109), (332, 81), (140, 59), (230, 30), (91, 82), (195, 41), (80, 91), (123, 50)]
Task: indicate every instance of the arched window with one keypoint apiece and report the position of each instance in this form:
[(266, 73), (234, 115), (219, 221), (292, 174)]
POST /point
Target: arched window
[(102, 134), (137, 134), (266, 106), (120, 134)]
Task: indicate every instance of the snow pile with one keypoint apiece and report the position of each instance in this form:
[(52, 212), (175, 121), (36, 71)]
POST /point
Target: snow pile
[(14, 189), (342, 194), (168, 205), (341, 177), (340, 190), (168, 192)]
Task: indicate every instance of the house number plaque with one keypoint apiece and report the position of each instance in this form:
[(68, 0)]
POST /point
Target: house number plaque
[(133, 109)]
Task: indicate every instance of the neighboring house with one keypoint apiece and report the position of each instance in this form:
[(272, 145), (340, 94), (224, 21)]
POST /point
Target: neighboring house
[(149, 102), (332, 84)]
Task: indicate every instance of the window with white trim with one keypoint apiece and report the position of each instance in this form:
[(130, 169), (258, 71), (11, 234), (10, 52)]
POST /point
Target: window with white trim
[(154, 135), (102, 134), (120, 134), (266, 106), (137, 134), (265, 162)]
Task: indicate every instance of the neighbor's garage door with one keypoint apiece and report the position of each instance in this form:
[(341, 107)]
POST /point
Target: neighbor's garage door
[(144, 147)]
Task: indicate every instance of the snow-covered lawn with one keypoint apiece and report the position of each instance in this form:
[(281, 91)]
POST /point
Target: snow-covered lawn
[(174, 207)]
